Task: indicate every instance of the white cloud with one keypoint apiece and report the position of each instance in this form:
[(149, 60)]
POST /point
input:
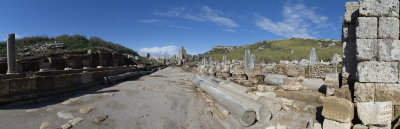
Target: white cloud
[(298, 21), (159, 51), (205, 14), (149, 21)]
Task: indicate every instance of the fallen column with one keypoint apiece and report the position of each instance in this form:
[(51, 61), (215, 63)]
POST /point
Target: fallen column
[(245, 114)]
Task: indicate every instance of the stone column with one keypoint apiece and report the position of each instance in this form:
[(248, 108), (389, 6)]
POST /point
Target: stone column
[(247, 59), (11, 55)]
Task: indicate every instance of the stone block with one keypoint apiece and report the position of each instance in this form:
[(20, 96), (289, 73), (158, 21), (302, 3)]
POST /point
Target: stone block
[(388, 28), (256, 79), (293, 83), (367, 28), (44, 83), (61, 81), (332, 80), (314, 83), (4, 87), (364, 92), (86, 77), (360, 126), (367, 49), (387, 92), (349, 33), (375, 113), (374, 71), (396, 110), (19, 86), (388, 50), (266, 88), (351, 13), (331, 124), (274, 79), (74, 79), (338, 109), (343, 92), (32, 84), (379, 8)]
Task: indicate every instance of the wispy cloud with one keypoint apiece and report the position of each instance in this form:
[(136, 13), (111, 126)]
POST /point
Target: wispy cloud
[(204, 14), (149, 21), (298, 21), (181, 27), (159, 51)]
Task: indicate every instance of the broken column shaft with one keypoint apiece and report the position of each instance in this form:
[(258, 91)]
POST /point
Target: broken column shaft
[(11, 55)]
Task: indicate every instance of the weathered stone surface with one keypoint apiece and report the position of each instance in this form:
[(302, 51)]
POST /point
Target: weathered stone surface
[(313, 83), (64, 115), (101, 118), (256, 79), (351, 13), (332, 81), (4, 87), (331, 124), (349, 70), (379, 8), (367, 28), (343, 92), (266, 88), (271, 95), (364, 92), (44, 125), (387, 92), (376, 113), (274, 79), (87, 109), (338, 109), (313, 56), (374, 71), (19, 86), (388, 50), (247, 59), (75, 121), (396, 113), (86, 77), (66, 126), (388, 28), (360, 126), (367, 49), (293, 83)]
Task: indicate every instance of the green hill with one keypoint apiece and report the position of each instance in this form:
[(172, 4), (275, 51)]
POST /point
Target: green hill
[(74, 43), (275, 50)]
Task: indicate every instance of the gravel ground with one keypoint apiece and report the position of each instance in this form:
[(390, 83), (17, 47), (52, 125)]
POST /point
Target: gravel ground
[(163, 100)]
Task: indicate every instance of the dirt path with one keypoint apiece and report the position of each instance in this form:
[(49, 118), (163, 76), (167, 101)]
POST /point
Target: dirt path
[(164, 99)]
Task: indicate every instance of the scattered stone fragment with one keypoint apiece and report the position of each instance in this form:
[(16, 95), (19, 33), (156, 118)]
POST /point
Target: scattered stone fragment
[(286, 108), (225, 112), (286, 101), (75, 121), (218, 114), (271, 127), (108, 94), (44, 125), (64, 115), (100, 119), (87, 109), (66, 126)]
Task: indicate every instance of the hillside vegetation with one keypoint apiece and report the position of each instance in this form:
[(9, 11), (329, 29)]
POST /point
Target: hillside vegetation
[(275, 50), (75, 43)]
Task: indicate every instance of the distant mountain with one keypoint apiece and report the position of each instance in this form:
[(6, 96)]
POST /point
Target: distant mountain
[(275, 50)]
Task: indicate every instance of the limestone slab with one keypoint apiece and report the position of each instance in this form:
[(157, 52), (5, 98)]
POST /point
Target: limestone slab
[(338, 109), (4, 87), (387, 92), (379, 8), (351, 13), (331, 124), (293, 83), (313, 83), (374, 71), (376, 113), (367, 49), (19, 86), (388, 50), (364, 92), (367, 28), (388, 28)]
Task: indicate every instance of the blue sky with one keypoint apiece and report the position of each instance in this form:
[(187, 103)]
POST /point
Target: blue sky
[(162, 26)]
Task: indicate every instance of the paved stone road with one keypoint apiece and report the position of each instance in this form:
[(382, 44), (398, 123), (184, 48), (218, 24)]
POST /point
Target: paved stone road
[(165, 99)]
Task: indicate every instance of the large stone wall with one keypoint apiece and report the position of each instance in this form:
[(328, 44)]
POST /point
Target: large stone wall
[(15, 87), (371, 48)]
